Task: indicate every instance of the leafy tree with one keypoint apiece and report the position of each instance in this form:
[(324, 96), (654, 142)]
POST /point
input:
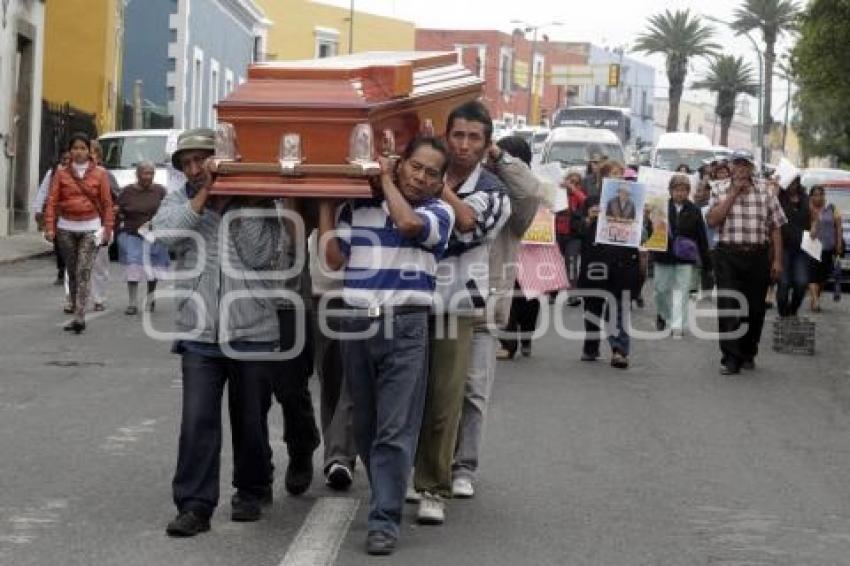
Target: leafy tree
[(679, 37), (772, 18), (728, 76), (822, 72)]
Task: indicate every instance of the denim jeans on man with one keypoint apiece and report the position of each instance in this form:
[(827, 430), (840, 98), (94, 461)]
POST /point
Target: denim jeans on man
[(791, 289), (196, 480), (385, 370)]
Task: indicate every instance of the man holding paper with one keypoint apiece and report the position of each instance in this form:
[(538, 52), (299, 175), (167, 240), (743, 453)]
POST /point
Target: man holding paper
[(747, 217)]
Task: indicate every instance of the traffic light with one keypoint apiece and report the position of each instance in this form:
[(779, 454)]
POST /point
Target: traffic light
[(614, 74)]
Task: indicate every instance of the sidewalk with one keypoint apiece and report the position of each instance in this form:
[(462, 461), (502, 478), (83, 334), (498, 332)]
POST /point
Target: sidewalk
[(21, 247)]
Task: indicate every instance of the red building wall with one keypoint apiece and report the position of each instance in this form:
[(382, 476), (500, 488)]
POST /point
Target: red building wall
[(499, 102)]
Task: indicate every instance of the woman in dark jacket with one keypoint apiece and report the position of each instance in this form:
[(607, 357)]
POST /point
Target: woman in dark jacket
[(687, 248), (791, 289), (611, 269)]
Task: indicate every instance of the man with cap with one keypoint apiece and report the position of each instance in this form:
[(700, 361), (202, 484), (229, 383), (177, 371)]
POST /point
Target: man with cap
[(748, 218), (228, 328)]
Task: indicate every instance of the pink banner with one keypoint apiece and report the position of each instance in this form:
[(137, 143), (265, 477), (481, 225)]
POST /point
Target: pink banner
[(541, 269)]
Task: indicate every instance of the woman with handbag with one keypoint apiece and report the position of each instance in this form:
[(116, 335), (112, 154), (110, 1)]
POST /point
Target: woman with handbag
[(687, 248), (826, 227), (79, 217), (137, 205)]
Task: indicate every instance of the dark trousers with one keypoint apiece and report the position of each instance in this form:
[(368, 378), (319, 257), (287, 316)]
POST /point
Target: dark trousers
[(597, 310), (387, 379), (336, 408), (60, 260), (522, 320), (749, 274), (291, 388), (794, 282), (196, 480)]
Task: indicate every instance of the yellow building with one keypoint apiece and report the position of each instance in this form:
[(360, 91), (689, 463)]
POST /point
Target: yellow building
[(305, 29), (82, 56)]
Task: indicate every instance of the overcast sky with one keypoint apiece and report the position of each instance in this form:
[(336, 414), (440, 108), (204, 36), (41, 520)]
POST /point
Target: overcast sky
[(603, 22)]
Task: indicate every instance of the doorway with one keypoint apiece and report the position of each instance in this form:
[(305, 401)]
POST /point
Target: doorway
[(21, 128)]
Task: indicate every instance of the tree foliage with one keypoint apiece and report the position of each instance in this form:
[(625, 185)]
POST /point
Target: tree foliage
[(678, 36), (821, 69), (728, 76)]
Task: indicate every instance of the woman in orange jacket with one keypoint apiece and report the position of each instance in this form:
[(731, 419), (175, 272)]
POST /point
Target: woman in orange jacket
[(79, 217)]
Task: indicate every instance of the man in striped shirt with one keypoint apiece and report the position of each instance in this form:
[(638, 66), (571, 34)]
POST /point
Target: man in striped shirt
[(390, 247), (481, 208)]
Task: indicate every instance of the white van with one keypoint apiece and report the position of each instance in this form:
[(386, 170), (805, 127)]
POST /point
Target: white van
[(123, 150), (682, 148), (572, 147)]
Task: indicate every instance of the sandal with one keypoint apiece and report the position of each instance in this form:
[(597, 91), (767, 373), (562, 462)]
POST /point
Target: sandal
[(131, 310)]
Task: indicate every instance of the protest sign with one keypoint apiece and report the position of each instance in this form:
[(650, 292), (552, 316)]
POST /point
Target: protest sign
[(621, 207), (786, 172), (551, 175), (542, 229)]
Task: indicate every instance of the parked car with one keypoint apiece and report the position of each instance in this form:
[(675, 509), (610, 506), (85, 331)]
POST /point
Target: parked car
[(572, 147), (677, 148), (124, 150), (817, 176)]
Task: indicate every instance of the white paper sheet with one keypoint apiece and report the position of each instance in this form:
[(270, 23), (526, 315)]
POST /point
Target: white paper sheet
[(811, 246), (786, 173)]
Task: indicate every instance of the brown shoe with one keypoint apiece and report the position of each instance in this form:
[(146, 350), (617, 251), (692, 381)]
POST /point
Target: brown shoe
[(619, 361)]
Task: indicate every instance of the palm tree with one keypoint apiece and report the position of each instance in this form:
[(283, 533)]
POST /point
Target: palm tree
[(679, 37), (772, 18), (728, 76)]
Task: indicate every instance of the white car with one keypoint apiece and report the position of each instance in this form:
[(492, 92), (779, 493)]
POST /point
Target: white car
[(124, 150), (572, 147), (682, 148)]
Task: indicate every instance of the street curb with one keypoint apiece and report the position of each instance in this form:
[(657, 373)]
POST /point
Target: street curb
[(23, 258)]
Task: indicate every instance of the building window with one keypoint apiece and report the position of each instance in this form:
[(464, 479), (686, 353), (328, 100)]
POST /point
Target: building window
[(196, 100), (215, 91), (228, 81), (643, 111), (505, 66), (327, 42)]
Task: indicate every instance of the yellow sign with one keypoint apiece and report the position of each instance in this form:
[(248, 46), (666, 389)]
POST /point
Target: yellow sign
[(521, 74), (542, 229), (614, 74)]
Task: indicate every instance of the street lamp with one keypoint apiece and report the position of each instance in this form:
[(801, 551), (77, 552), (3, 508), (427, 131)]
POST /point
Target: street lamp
[(761, 85), (527, 27)]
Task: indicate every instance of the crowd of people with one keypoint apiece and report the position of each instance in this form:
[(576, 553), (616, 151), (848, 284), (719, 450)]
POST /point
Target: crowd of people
[(397, 307)]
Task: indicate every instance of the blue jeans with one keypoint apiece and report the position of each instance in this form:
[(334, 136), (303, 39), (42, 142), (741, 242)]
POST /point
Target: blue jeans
[(795, 279), (598, 309), (196, 480), (386, 375)]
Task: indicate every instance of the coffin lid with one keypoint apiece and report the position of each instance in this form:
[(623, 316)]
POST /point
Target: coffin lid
[(355, 81)]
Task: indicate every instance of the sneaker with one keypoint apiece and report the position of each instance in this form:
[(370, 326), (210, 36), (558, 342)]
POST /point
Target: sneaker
[(619, 361), (503, 354), (187, 524), (411, 495), (338, 477), (244, 508), (729, 368), (299, 474), (379, 543), (462, 488), (75, 326), (432, 510)]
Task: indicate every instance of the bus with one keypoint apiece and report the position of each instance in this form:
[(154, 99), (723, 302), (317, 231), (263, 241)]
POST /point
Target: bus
[(618, 120)]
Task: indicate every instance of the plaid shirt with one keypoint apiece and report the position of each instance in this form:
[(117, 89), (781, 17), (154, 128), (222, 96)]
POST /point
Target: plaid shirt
[(753, 215)]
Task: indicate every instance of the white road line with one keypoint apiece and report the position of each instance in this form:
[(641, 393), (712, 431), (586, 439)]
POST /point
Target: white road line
[(318, 541)]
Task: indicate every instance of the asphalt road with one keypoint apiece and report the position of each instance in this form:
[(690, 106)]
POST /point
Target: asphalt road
[(667, 463)]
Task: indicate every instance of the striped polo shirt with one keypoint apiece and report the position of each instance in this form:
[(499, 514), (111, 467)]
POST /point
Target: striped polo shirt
[(384, 268)]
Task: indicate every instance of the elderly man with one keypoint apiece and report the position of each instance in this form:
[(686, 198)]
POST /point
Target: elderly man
[(622, 207), (748, 219), (229, 327)]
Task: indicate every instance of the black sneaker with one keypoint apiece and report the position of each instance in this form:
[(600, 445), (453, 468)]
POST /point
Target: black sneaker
[(379, 543), (338, 477), (299, 474), (187, 524), (729, 368), (244, 508)]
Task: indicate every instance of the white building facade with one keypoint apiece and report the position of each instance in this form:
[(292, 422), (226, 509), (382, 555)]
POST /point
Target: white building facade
[(21, 71)]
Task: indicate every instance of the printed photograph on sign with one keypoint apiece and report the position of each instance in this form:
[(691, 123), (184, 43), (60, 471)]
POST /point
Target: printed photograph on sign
[(621, 213)]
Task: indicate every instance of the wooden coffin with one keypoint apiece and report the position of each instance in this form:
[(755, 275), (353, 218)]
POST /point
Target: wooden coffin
[(322, 101)]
